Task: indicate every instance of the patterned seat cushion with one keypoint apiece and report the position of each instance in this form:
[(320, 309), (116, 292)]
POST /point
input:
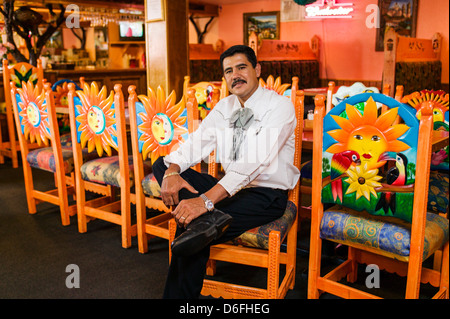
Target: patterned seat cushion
[(66, 140), (438, 192), (387, 236), (106, 170), (259, 237), (44, 159), (151, 186)]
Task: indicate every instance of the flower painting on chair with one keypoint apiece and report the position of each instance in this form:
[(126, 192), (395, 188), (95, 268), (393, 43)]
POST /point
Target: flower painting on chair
[(22, 74), (96, 121), (160, 126), (33, 113), (358, 143)]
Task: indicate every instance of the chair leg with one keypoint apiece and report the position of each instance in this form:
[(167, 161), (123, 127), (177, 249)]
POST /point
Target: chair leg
[(81, 202), (172, 232), (445, 270), (12, 137), (2, 158), (141, 217), (273, 271), (315, 255), (28, 180), (211, 267), (352, 276), (126, 217), (63, 200)]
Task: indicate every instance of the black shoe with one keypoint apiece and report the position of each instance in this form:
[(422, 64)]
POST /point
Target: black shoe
[(200, 232)]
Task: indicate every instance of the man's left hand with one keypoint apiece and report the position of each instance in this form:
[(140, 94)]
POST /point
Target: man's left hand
[(187, 210)]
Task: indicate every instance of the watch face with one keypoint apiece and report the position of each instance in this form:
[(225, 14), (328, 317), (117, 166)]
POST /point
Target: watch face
[(209, 205)]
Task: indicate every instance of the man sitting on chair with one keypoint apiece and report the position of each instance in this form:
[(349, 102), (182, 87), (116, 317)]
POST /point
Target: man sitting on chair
[(252, 131)]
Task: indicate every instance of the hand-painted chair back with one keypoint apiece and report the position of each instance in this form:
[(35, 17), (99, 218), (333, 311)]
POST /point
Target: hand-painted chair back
[(357, 143), (274, 84), (33, 113), (23, 72), (159, 122), (439, 159), (18, 73), (204, 93), (95, 119), (61, 88)]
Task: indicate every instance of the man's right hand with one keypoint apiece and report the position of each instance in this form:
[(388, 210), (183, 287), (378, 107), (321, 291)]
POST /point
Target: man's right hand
[(170, 187)]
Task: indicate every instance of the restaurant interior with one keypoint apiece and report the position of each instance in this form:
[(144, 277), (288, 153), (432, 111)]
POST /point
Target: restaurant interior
[(81, 214)]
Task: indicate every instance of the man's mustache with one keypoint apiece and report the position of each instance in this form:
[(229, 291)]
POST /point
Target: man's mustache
[(236, 81)]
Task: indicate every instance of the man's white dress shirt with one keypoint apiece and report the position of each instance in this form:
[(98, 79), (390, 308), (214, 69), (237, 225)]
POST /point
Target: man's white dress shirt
[(267, 152)]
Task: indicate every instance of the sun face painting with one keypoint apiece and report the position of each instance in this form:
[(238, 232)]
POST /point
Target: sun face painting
[(355, 149), (367, 134), (33, 114), (96, 123), (160, 126)]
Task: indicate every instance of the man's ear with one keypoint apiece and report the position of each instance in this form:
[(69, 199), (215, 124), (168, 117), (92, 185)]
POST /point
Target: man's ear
[(258, 70)]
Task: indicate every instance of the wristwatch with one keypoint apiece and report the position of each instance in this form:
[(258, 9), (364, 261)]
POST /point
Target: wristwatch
[(209, 205)]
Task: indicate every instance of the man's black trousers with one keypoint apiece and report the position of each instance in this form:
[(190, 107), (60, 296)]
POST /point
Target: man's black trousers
[(250, 207)]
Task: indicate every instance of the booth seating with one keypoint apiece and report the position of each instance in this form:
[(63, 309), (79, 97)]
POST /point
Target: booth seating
[(261, 247), (411, 62), (18, 73), (283, 58), (97, 121), (379, 214)]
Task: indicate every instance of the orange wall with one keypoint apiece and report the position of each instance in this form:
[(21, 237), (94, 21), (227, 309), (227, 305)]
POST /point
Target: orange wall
[(348, 46)]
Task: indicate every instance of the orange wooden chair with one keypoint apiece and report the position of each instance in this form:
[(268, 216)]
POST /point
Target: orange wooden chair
[(60, 89), (35, 117), (97, 120), (17, 73), (261, 247), (274, 85), (204, 94), (145, 116), (380, 214)]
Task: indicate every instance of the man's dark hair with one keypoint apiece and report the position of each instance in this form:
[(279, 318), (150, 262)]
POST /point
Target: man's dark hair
[(249, 53)]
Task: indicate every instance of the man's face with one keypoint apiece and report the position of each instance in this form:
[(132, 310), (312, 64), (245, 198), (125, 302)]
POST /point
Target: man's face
[(241, 77)]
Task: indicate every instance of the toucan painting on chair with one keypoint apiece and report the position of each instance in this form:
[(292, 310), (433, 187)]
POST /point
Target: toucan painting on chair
[(394, 176)]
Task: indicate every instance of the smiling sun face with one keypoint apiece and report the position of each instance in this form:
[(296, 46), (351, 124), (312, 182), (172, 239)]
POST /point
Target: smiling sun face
[(162, 127), (368, 134), (33, 112), (96, 118)]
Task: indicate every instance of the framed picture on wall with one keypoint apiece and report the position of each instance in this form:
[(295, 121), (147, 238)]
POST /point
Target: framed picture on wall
[(398, 14), (265, 24)]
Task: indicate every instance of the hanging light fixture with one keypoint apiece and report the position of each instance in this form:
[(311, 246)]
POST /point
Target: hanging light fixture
[(304, 2)]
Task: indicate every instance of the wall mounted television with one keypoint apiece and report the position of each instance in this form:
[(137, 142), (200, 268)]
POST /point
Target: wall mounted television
[(131, 31)]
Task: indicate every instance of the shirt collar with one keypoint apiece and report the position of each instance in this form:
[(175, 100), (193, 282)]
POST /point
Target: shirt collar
[(254, 103)]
